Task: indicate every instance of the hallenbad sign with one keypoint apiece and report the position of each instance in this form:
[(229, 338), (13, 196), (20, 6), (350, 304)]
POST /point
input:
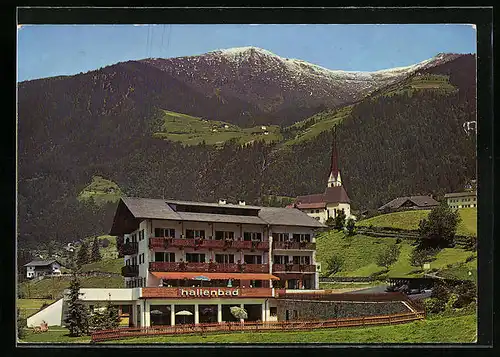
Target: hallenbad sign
[(200, 292)]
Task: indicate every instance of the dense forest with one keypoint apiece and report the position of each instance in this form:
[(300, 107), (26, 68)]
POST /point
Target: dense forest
[(406, 144)]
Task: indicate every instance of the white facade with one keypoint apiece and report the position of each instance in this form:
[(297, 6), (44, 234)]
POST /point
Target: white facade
[(36, 271)]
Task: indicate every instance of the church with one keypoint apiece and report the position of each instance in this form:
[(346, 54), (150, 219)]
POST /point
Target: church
[(334, 199)]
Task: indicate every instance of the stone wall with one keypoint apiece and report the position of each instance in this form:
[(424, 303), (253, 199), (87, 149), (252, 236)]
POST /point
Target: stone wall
[(323, 310)]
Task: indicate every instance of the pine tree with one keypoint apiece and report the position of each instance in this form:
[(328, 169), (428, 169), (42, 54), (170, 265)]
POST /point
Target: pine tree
[(96, 254), (77, 320), (83, 255), (112, 317), (21, 323)]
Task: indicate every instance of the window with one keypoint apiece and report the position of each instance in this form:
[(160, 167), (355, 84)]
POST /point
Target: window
[(134, 238), (220, 235), (127, 262), (256, 236), (317, 211), (224, 258), (134, 260), (273, 311), (126, 309), (280, 237), (141, 258), (301, 237), (195, 258), (280, 259), (253, 259), (164, 257), (193, 233), (164, 232), (300, 259)]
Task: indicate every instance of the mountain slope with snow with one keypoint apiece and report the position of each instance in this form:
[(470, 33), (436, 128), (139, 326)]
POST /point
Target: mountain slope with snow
[(273, 83)]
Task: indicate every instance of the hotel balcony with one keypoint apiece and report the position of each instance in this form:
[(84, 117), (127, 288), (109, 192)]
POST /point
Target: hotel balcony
[(130, 248), (294, 245), (208, 267), (130, 271), (294, 268), (165, 243)]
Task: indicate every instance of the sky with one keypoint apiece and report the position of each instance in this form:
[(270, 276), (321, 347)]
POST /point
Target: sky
[(52, 50)]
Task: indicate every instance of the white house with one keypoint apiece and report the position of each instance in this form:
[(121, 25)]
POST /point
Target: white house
[(38, 268)]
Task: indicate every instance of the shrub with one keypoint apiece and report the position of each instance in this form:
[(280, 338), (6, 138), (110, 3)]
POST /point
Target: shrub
[(398, 240), (451, 301), (388, 256), (439, 228), (434, 305), (441, 293), (334, 264)]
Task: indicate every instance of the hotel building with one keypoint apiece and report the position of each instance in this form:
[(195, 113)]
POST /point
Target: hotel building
[(190, 262)]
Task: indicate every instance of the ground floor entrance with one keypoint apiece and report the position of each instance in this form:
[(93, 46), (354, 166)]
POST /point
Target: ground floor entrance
[(165, 313)]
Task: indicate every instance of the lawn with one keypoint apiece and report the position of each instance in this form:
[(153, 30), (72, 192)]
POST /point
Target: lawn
[(105, 265), (360, 252), (54, 287), (462, 329), (410, 219), (191, 130)]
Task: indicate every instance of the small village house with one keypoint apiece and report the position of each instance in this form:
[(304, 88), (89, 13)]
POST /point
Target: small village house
[(409, 203), (38, 268)]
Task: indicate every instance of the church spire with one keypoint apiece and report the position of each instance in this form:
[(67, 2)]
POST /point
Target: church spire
[(334, 178)]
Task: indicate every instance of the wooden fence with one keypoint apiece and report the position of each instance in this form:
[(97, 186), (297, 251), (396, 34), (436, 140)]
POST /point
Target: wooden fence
[(227, 327)]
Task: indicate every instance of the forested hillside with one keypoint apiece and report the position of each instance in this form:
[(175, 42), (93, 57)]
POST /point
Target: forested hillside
[(409, 142)]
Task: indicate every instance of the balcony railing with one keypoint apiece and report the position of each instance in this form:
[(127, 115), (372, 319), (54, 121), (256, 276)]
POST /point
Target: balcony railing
[(130, 248), (157, 243), (208, 267), (294, 245), (295, 268), (130, 271)]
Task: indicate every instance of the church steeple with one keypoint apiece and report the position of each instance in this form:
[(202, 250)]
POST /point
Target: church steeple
[(334, 179)]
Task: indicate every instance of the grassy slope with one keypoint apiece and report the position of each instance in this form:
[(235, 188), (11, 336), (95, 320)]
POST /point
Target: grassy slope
[(101, 190), (55, 286), (411, 219), (193, 130), (29, 306), (324, 121), (108, 265), (462, 329), (360, 255)]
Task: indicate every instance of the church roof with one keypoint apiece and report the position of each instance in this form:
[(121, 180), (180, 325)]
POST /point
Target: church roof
[(336, 194)]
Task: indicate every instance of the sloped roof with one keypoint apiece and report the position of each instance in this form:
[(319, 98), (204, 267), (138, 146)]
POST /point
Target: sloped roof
[(288, 217), (336, 194), (41, 263), (419, 201), (223, 218), (461, 194), (205, 204), (131, 210), (150, 208)]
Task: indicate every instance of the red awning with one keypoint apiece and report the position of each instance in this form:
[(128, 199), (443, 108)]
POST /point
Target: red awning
[(214, 276)]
